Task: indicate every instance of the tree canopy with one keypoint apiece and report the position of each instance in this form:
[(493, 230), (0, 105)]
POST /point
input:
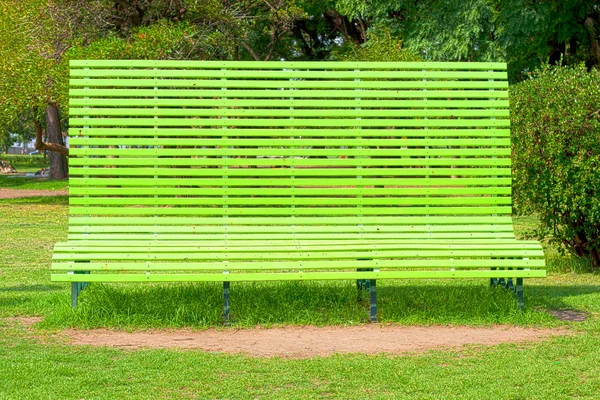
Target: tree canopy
[(39, 37)]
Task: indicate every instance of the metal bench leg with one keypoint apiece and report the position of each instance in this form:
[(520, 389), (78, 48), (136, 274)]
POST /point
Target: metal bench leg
[(363, 283), (77, 287), (74, 294), (226, 292), (373, 301), (519, 292)]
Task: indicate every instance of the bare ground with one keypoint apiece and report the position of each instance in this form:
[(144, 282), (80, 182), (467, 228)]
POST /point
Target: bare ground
[(306, 342), (18, 193)]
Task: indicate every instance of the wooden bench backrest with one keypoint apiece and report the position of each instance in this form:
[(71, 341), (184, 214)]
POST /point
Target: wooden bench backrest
[(263, 150)]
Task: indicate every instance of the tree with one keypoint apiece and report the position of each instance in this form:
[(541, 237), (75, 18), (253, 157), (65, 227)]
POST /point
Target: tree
[(524, 33), (555, 119), (36, 34)]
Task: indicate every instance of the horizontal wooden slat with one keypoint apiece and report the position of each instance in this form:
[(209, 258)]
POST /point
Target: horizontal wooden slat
[(258, 248), (256, 73), (353, 142), (260, 229), (285, 241), (290, 162), (259, 182), (290, 191), (305, 84), (308, 255), (241, 112), (286, 103), (288, 122), (305, 265), (289, 210), (297, 152), (294, 93), (291, 132), (111, 64), (292, 276), (287, 172), (337, 222), (314, 201)]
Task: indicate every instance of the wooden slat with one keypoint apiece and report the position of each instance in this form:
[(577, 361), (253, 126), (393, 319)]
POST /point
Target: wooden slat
[(287, 132), (293, 276), (286, 265), (311, 65), (295, 93), (269, 112), (286, 103)]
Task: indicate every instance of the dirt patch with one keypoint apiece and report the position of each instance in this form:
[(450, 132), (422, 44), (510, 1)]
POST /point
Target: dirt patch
[(19, 193), (569, 315), (27, 322), (306, 342)]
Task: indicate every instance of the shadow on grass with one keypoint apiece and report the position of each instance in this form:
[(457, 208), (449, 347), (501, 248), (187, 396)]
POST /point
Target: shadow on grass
[(307, 303), (31, 288), (37, 200)]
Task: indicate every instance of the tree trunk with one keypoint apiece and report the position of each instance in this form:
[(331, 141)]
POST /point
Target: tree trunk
[(58, 162)]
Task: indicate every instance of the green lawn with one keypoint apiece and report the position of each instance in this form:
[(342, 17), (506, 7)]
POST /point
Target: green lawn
[(36, 364), (25, 163)]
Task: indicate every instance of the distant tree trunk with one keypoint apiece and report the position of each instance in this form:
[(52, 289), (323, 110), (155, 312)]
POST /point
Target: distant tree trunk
[(58, 162)]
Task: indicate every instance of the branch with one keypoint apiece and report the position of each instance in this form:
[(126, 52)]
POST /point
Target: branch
[(41, 146), (252, 53)]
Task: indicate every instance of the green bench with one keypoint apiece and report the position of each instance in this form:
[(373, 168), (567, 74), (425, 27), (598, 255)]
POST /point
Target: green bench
[(190, 171)]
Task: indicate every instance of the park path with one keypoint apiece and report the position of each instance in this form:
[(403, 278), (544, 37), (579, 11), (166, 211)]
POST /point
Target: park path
[(306, 341)]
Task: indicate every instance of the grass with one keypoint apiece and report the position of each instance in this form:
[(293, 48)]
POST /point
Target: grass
[(20, 182), (36, 364), (25, 163)]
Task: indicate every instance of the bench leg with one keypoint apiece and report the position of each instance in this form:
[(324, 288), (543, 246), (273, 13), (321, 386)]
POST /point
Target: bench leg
[(509, 284), (363, 283), (74, 294), (226, 291), (519, 292), (77, 287), (372, 301)]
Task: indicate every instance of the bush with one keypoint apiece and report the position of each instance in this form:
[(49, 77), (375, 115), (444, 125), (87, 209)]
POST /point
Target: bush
[(382, 47), (555, 119)]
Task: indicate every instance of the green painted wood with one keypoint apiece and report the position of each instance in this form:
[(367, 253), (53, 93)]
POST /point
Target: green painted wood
[(287, 265), (289, 166), (257, 230), (314, 84), (294, 93), (282, 241), (313, 173), (191, 201), (286, 103), (328, 113), (215, 277), (437, 222), (289, 162), (419, 66), (289, 191), (290, 132)]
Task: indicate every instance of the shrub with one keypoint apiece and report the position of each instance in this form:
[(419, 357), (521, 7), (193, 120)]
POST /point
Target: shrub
[(381, 47), (555, 119)]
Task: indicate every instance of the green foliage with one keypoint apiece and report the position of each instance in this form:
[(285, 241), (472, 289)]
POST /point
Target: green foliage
[(526, 34), (555, 118), (384, 47)]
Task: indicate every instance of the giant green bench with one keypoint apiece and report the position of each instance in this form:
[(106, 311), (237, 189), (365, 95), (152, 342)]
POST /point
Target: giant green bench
[(187, 171)]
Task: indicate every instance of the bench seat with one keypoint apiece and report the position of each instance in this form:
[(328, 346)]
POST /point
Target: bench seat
[(173, 261)]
